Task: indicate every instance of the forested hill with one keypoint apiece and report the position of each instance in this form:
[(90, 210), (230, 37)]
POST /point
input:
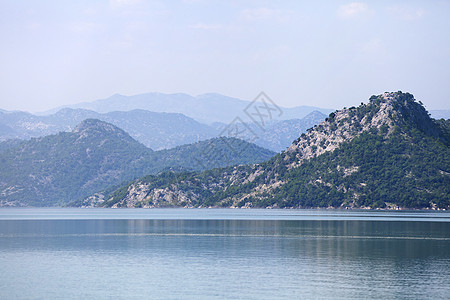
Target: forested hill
[(96, 155), (386, 153)]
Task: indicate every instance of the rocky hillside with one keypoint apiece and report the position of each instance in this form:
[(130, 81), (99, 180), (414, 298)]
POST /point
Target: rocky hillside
[(57, 169), (386, 153)]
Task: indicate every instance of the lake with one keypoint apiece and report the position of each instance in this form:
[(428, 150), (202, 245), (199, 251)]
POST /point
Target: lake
[(223, 254)]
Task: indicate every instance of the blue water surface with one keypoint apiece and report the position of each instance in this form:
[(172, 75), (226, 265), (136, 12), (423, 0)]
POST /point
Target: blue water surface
[(66, 253)]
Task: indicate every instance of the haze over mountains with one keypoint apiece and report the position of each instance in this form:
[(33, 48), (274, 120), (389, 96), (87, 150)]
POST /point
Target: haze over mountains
[(206, 108), (163, 121), (357, 157), (164, 130), (440, 114), (155, 130)]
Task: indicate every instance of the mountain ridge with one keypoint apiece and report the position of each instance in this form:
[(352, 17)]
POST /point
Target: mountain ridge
[(64, 167), (209, 107), (386, 153), (155, 130)]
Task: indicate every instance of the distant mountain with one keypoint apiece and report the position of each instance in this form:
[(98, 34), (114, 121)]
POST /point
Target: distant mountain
[(7, 132), (387, 153), (281, 135), (206, 108), (155, 130), (53, 169), (276, 135), (440, 114), (57, 169), (26, 125), (160, 130)]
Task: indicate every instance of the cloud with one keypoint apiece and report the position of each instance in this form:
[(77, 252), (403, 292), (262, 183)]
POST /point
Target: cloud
[(352, 10), (264, 13), (406, 13)]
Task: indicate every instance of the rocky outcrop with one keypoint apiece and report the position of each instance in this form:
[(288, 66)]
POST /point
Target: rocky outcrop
[(248, 186)]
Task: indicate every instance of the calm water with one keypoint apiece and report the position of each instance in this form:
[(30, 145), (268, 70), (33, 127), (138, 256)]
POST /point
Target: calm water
[(223, 253)]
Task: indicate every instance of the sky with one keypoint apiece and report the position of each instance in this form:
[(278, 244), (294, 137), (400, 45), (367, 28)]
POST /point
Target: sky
[(328, 54)]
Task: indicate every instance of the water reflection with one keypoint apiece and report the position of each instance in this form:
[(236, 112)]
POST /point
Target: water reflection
[(251, 259)]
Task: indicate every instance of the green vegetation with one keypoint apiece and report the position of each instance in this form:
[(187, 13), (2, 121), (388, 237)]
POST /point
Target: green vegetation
[(69, 166), (401, 159), (8, 144), (405, 171)]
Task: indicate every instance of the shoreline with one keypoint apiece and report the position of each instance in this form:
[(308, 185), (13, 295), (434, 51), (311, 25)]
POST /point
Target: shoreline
[(433, 209)]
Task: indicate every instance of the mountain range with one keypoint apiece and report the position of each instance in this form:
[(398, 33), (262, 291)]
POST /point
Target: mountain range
[(206, 108), (276, 135), (155, 130), (387, 153), (96, 155)]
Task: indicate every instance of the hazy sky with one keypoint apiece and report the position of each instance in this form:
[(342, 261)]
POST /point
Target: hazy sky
[(322, 53)]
